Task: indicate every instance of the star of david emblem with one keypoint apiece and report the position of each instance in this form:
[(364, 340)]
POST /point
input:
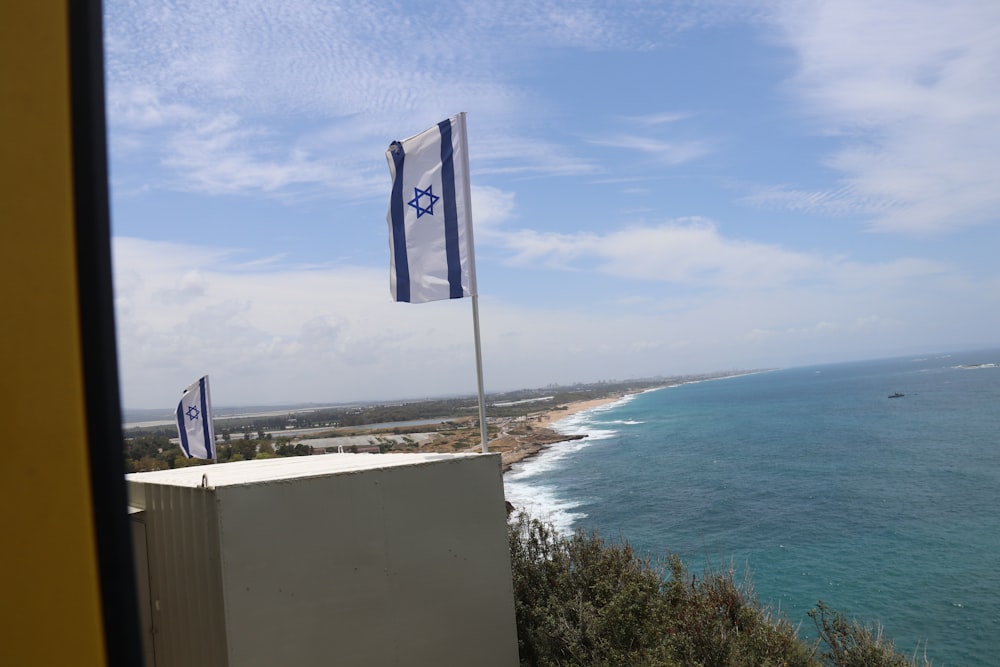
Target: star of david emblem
[(431, 200), (192, 413)]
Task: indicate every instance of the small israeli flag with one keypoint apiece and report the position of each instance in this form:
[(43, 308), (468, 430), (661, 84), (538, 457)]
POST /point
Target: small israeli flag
[(430, 215), (194, 421)]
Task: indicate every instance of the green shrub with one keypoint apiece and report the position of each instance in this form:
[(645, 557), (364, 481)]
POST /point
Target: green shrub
[(851, 644), (719, 622), (583, 601)]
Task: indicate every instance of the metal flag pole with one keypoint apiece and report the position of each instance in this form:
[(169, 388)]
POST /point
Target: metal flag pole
[(211, 421), (473, 288), (483, 430)]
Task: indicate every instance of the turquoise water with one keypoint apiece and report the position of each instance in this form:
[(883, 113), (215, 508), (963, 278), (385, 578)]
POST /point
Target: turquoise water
[(824, 487)]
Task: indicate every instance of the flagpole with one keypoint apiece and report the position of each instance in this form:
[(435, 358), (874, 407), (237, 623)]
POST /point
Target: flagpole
[(483, 430), (473, 288), (211, 417)]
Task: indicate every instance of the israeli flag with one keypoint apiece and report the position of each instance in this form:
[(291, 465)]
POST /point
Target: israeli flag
[(430, 215), (194, 421)]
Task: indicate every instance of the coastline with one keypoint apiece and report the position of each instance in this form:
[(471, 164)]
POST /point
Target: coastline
[(515, 448), (516, 438)]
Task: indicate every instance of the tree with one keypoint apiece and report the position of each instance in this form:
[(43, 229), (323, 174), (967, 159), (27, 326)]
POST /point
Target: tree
[(287, 449), (246, 450)]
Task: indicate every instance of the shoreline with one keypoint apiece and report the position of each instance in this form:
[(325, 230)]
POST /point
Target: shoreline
[(516, 438), (522, 451), (518, 451)]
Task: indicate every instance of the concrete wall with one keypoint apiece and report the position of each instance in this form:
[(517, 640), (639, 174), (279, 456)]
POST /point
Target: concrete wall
[(355, 560)]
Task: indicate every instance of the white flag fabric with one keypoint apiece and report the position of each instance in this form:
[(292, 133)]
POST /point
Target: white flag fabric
[(430, 219), (194, 421)]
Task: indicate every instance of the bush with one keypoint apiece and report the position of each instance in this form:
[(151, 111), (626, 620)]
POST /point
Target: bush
[(851, 644), (583, 601), (717, 621)]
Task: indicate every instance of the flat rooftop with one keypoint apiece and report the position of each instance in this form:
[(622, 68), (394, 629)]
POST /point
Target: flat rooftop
[(236, 473)]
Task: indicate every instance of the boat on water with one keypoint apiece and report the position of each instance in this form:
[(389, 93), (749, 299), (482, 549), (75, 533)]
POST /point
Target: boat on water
[(896, 395)]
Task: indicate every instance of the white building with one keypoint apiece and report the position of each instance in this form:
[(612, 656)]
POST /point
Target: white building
[(344, 559)]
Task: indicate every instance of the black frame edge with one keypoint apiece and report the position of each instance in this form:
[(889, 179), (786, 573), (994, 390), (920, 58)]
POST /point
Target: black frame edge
[(116, 569)]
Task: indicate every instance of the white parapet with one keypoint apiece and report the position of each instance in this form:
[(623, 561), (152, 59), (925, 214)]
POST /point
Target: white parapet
[(343, 559)]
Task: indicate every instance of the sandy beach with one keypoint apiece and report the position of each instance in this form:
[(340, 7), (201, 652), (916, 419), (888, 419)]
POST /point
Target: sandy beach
[(516, 447), (580, 406)]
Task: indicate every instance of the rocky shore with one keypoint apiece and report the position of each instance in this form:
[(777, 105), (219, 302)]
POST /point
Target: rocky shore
[(522, 442), (524, 447)]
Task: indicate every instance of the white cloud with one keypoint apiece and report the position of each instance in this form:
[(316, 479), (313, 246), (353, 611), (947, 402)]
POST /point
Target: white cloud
[(282, 334), (661, 118), (491, 208), (176, 71), (688, 252), (223, 155), (196, 83), (668, 152), (842, 200), (908, 85), (141, 107), (505, 154)]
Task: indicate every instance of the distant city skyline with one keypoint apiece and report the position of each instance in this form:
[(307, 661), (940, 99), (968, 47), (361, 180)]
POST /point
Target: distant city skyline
[(658, 189)]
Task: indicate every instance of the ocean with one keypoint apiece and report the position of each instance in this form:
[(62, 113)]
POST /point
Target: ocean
[(813, 480)]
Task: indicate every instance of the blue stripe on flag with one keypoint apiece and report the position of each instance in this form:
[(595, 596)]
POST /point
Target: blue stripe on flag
[(206, 429), (450, 211), (181, 430), (398, 227)]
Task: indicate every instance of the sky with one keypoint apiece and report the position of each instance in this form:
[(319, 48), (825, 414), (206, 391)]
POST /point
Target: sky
[(658, 188)]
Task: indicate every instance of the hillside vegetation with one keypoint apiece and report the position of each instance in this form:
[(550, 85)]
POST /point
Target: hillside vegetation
[(582, 601)]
